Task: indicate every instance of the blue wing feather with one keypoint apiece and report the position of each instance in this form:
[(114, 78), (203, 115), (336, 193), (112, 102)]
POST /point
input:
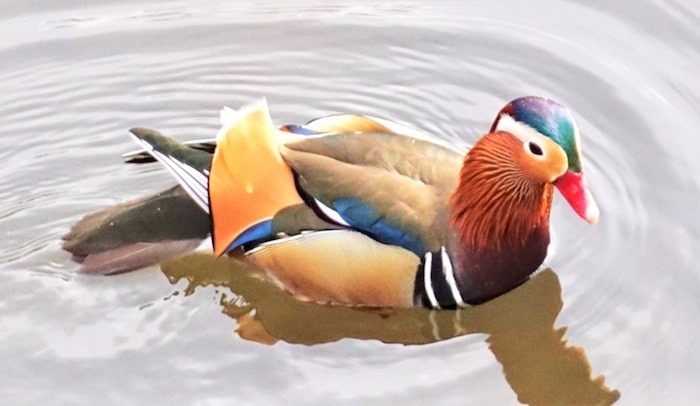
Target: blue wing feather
[(257, 232), (298, 129), (365, 218)]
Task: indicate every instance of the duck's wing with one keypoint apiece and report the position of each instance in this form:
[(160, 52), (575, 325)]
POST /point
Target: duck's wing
[(390, 187)]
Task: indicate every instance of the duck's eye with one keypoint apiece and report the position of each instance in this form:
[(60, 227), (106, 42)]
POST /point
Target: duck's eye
[(535, 149)]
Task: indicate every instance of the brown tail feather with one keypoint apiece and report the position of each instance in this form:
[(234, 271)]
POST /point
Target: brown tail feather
[(138, 233), (135, 256)]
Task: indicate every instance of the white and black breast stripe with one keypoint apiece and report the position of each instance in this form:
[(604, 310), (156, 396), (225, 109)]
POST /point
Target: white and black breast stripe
[(436, 286)]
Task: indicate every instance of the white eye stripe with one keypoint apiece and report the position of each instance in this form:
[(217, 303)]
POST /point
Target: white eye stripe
[(522, 131)]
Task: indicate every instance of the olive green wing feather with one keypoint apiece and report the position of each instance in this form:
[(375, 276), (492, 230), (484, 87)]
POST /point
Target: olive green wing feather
[(391, 187)]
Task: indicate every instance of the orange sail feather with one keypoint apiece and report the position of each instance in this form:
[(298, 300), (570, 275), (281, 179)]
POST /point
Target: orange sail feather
[(249, 181)]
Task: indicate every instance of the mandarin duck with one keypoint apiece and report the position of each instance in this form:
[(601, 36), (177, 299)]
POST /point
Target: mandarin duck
[(353, 209)]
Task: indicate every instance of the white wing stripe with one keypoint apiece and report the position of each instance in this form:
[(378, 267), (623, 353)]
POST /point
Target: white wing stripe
[(197, 182), (194, 174), (192, 184), (331, 214)]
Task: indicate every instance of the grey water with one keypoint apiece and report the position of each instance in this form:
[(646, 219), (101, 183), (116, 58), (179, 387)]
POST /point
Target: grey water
[(613, 319)]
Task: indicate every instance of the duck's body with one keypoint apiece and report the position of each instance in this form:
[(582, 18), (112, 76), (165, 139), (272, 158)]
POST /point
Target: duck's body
[(350, 210)]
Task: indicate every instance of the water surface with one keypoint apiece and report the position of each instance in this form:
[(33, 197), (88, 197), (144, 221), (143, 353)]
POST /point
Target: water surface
[(616, 316)]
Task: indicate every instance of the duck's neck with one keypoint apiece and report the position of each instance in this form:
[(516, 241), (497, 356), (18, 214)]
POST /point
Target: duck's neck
[(499, 218)]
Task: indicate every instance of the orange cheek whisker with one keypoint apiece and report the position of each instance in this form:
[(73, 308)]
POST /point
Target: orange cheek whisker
[(495, 201)]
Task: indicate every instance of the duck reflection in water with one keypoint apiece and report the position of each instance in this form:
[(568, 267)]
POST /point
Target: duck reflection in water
[(537, 362)]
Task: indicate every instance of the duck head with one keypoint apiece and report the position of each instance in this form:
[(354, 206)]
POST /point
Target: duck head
[(507, 178), (551, 142), (501, 206)]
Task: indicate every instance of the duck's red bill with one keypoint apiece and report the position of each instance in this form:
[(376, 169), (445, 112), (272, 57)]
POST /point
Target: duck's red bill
[(574, 188)]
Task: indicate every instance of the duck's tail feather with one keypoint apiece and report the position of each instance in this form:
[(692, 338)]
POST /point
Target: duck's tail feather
[(143, 156), (135, 256), (138, 233), (189, 166)]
